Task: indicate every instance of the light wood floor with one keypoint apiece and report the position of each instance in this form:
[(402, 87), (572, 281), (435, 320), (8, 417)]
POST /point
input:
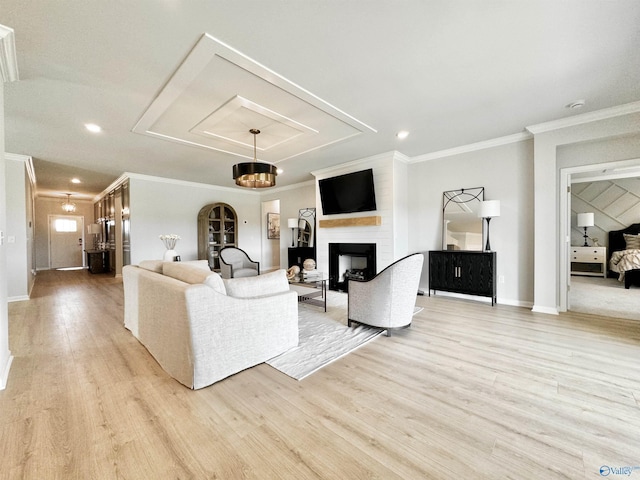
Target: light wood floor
[(469, 391)]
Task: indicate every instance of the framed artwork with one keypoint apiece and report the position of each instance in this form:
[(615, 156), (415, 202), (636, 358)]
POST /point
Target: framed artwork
[(273, 226)]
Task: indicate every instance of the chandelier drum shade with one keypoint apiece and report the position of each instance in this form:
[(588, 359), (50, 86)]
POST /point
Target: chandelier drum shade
[(68, 206), (254, 174)]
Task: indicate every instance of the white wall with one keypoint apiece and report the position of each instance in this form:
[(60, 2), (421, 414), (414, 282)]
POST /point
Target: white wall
[(506, 174), (163, 206), (5, 353), (607, 137), (271, 246), (18, 230), (292, 199), (383, 235)]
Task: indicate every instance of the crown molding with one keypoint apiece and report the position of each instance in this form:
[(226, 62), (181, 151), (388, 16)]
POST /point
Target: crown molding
[(473, 147), (8, 57), (604, 114)]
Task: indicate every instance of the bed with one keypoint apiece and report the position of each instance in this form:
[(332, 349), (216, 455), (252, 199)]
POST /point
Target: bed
[(624, 260)]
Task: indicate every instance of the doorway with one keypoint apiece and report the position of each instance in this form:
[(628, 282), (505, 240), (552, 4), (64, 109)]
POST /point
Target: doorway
[(66, 241), (567, 300)]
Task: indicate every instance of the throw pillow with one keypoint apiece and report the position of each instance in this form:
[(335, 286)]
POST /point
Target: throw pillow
[(152, 265), (185, 272), (633, 241)]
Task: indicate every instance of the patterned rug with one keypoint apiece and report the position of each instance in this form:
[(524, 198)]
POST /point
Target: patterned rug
[(324, 338)]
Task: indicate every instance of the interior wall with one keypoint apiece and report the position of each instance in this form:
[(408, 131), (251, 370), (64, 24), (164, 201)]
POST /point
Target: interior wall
[(18, 267), (401, 227), (506, 173), (382, 235), (45, 206), (615, 204), (271, 247), (292, 199), (608, 138), (163, 206), (5, 353)]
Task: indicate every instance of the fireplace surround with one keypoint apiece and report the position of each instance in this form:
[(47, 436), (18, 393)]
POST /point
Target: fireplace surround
[(350, 260)]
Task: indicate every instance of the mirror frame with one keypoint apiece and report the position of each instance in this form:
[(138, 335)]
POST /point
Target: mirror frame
[(460, 197), (307, 215)]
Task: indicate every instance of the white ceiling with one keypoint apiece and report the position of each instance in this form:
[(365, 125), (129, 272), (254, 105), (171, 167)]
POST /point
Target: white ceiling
[(327, 81)]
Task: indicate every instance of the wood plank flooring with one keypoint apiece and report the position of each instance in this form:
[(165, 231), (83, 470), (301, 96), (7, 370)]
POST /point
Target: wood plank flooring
[(469, 391)]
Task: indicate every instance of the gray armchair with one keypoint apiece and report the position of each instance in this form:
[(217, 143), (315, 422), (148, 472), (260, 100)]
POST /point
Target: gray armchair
[(235, 263), (387, 300)]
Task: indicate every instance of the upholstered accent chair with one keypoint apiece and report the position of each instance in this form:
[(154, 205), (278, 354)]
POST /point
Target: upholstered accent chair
[(235, 263), (387, 300)]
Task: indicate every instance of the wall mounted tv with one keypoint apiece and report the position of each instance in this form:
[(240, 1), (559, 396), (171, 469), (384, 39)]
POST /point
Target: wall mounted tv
[(348, 193)]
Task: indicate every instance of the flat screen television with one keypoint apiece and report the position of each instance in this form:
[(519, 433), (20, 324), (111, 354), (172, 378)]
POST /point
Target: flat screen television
[(348, 193)]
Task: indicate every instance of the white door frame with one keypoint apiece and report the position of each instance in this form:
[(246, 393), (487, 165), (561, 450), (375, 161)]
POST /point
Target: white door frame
[(600, 171)]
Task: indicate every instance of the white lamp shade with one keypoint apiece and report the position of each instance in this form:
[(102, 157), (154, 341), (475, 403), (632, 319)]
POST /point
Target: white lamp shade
[(93, 228), (292, 223), (585, 220), (489, 209)]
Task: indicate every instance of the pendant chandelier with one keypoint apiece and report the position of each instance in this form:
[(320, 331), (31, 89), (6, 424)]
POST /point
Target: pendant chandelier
[(254, 174), (68, 206)]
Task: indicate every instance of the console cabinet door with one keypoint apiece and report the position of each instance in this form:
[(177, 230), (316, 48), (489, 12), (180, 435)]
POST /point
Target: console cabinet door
[(471, 273)]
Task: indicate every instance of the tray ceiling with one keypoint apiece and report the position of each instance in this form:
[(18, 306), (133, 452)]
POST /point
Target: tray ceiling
[(218, 94)]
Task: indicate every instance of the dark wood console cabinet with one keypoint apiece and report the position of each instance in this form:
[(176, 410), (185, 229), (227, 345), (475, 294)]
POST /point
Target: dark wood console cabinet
[(471, 273)]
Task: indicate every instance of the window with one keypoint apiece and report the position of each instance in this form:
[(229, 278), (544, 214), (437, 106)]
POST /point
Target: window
[(65, 225)]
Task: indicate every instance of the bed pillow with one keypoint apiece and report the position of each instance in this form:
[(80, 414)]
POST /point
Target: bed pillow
[(633, 241)]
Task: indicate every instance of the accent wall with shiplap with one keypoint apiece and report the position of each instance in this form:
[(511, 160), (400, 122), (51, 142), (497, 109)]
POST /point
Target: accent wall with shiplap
[(389, 171)]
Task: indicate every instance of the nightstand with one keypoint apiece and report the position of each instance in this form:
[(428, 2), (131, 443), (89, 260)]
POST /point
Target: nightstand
[(589, 261)]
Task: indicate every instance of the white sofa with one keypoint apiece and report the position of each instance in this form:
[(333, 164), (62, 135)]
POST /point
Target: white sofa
[(201, 329)]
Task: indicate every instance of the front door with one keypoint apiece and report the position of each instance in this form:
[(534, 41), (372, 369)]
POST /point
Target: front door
[(65, 241)]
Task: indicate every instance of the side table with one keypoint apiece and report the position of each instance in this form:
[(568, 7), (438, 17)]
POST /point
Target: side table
[(311, 289), (98, 261)]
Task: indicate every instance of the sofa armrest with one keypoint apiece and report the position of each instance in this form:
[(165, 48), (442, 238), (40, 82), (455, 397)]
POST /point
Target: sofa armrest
[(231, 334)]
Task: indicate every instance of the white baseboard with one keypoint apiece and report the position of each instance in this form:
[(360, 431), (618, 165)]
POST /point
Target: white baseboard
[(514, 303), (547, 310), (5, 373), (19, 298)]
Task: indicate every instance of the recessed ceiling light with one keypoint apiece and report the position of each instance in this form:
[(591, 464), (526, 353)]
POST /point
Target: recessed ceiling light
[(75, 180), (576, 104), (402, 134), (92, 127)]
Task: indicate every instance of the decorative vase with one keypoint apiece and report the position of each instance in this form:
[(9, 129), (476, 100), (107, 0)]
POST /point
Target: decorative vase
[(170, 255)]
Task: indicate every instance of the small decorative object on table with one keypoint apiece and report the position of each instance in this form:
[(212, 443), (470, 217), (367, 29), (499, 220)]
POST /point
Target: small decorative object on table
[(293, 273), (170, 244), (309, 264)]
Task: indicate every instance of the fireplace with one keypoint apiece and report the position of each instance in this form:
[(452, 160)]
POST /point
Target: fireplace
[(350, 260)]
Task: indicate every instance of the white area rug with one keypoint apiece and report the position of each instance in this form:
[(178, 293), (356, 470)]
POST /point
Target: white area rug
[(324, 338)]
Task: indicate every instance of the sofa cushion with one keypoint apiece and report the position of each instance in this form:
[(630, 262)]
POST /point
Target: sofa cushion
[(260, 286), (185, 272), (152, 265)]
